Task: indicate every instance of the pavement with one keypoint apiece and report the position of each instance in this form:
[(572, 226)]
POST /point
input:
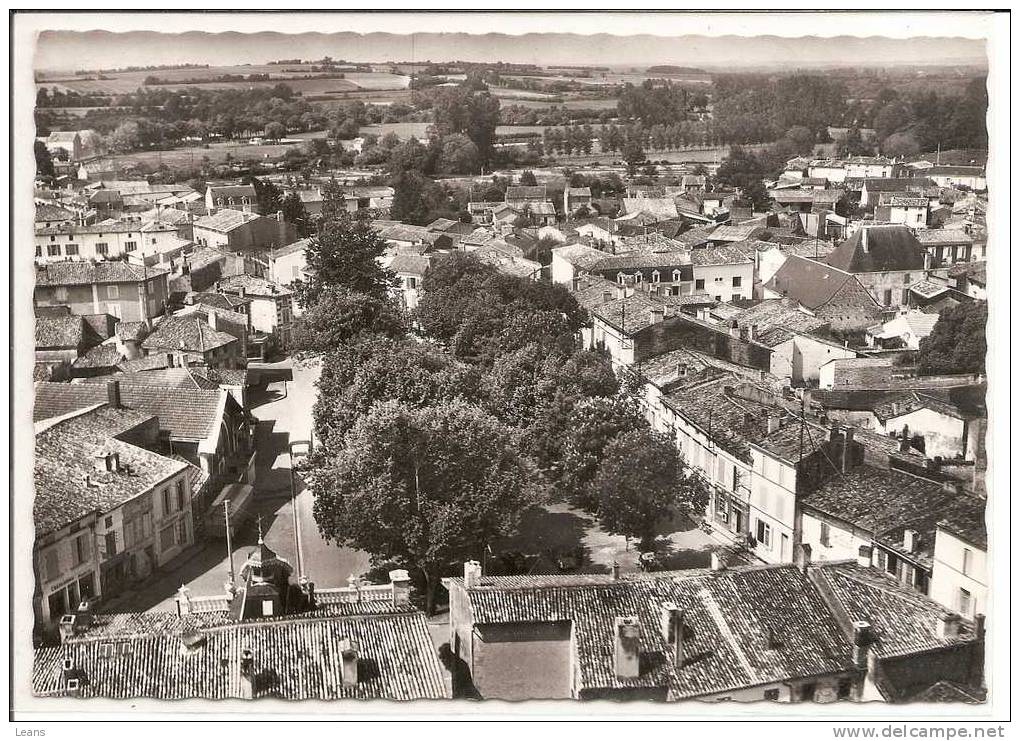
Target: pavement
[(284, 411)]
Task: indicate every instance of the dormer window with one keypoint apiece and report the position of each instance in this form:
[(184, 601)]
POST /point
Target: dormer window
[(638, 277), (676, 276), (655, 276), (620, 278)]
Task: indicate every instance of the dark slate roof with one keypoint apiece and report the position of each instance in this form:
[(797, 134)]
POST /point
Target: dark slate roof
[(965, 518), (223, 301), (945, 691), (191, 414), (745, 626), (664, 260), (808, 282), (296, 657), (187, 333), (252, 285), (903, 621), (887, 248), (891, 185), (59, 331), (64, 457), (84, 273), (409, 264), (232, 191)]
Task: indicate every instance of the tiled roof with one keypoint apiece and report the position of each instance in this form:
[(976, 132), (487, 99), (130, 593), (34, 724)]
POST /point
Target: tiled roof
[(805, 195), (525, 193), (945, 691), (943, 236), (222, 376), (177, 378), (879, 249), (84, 273), (965, 518), (744, 627), (630, 314), (186, 333), (216, 300), (892, 185), (100, 356), (665, 260), (146, 362), (660, 208), (232, 191), (903, 621), (974, 271), (49, 212), (809, 282), (911, 403), (409, 264), (579, 255), (740, 233), (579, 192), (778, 313), (296, 657), (225, 220), (928, 289), (405, 233), (59, 331), (190, 414), (884, 503), (289, 249), (723, 255), (64, 457), (132, 330), (956, 170)]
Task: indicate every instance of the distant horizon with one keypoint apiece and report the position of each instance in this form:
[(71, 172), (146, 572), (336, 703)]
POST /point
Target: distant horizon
[(68, 51)]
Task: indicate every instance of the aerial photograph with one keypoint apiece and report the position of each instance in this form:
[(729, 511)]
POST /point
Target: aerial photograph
[(474, 366)]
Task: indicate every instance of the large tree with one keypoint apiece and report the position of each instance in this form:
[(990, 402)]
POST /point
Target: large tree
[(957, 344), (642, 481), (294, 212), (339, 315), (43, 161), (344, 253), (428, 487)]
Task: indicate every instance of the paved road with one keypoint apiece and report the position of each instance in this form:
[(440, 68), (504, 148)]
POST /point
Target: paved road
[(284, 412)]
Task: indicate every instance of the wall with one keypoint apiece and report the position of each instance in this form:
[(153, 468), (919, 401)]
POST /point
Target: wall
[(801, 357), (562, 270), (943, 435), (620, 348), (844, 540), (948, 576), (67, 574), (895, 281), (522, 661), (718, 281), (118, 243), (773, 501), (908, 675), (851, 309), (678, 332)]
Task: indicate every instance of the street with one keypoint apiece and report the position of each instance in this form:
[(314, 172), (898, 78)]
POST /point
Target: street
[(284, 411)]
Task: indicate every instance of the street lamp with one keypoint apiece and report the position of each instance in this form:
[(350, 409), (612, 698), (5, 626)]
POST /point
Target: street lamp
[(307, 444)]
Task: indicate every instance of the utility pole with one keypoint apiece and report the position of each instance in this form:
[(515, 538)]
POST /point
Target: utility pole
[(230, 549)]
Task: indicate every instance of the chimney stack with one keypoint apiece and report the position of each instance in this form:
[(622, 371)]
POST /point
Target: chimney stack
[(672, 625), (607, 296), (718, 562), (848, 441), (621, 291), (616, 571), (627, 648), (113, 393), (657, 315), (247, 675), (472, 574), (947, 625), (862, 639), (183, 600), (864, 239), (349, 663), (400, 583), (864, 556), (575, 283), (910, 540), (803, 557), (752, 332), (213, 320), (734, 329)]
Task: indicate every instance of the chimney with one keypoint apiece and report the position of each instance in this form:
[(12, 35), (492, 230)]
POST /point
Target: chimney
[(734, 329), (802, 556), (718, 562), (113, 393), (616, 571), (672, 626), (864, 556), (774, 422), (575, 283), (848, 441), (657, 315), (979, 627), (864, 239), (947, 625), (862, 639), (953, 487), (213, 320), (752, 332), (472, 574), (67, 627), (627, 648), (183, 600), (607, 296), (910, 540), (349, 662), (621, 291), (834, 433), (247, 675), (400, 583), (681, 370)]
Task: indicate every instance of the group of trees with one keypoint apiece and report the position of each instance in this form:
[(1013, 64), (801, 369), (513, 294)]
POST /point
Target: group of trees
[(658, 102), (906, 125), (957, 343), (618, 137)]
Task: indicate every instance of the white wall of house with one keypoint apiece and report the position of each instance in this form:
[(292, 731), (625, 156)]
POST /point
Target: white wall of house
[(773, 507), (620, 347), (801, 358), (725, 282), (959, 578), (562, 270), (858, 170), (174, 529), (944, 435), (96, 245), (912, 216), (831, 540), (832, 174)]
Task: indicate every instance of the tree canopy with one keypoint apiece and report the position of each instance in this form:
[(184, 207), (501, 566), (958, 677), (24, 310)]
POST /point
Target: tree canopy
[(957, 343)]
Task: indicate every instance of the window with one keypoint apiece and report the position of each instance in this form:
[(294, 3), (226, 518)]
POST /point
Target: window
[(906, 278), (844, 689), (699, 284), (166, 538), (655, 276), (102, 248), (676, 276), (638, 277), (807, 692), (823, 534), (267, 607), (108, 522), (968, 557), (619, 278), (130, 246), (964, 602), (772, 694), (734, 297), (721, 510), (154, 240), (38, 250), (167, 509), (112, 292), (80, 550), (53, 250), (111, 544), (53, 239), (887, 297), (180, 495), (736, 281), (891, 563), (764, 533), (70, 249), (51, 561), (182, 527), (905, 298)]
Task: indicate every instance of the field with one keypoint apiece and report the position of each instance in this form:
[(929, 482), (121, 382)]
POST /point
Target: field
[(127, 82), (614, 78), (418, 130), (192, 156), (598, 104)]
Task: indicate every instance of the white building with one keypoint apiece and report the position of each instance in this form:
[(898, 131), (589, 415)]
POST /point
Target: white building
[(107, 240), (959, 578)]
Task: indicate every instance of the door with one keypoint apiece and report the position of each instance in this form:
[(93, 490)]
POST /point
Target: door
[(738, 522), (784, 548)]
